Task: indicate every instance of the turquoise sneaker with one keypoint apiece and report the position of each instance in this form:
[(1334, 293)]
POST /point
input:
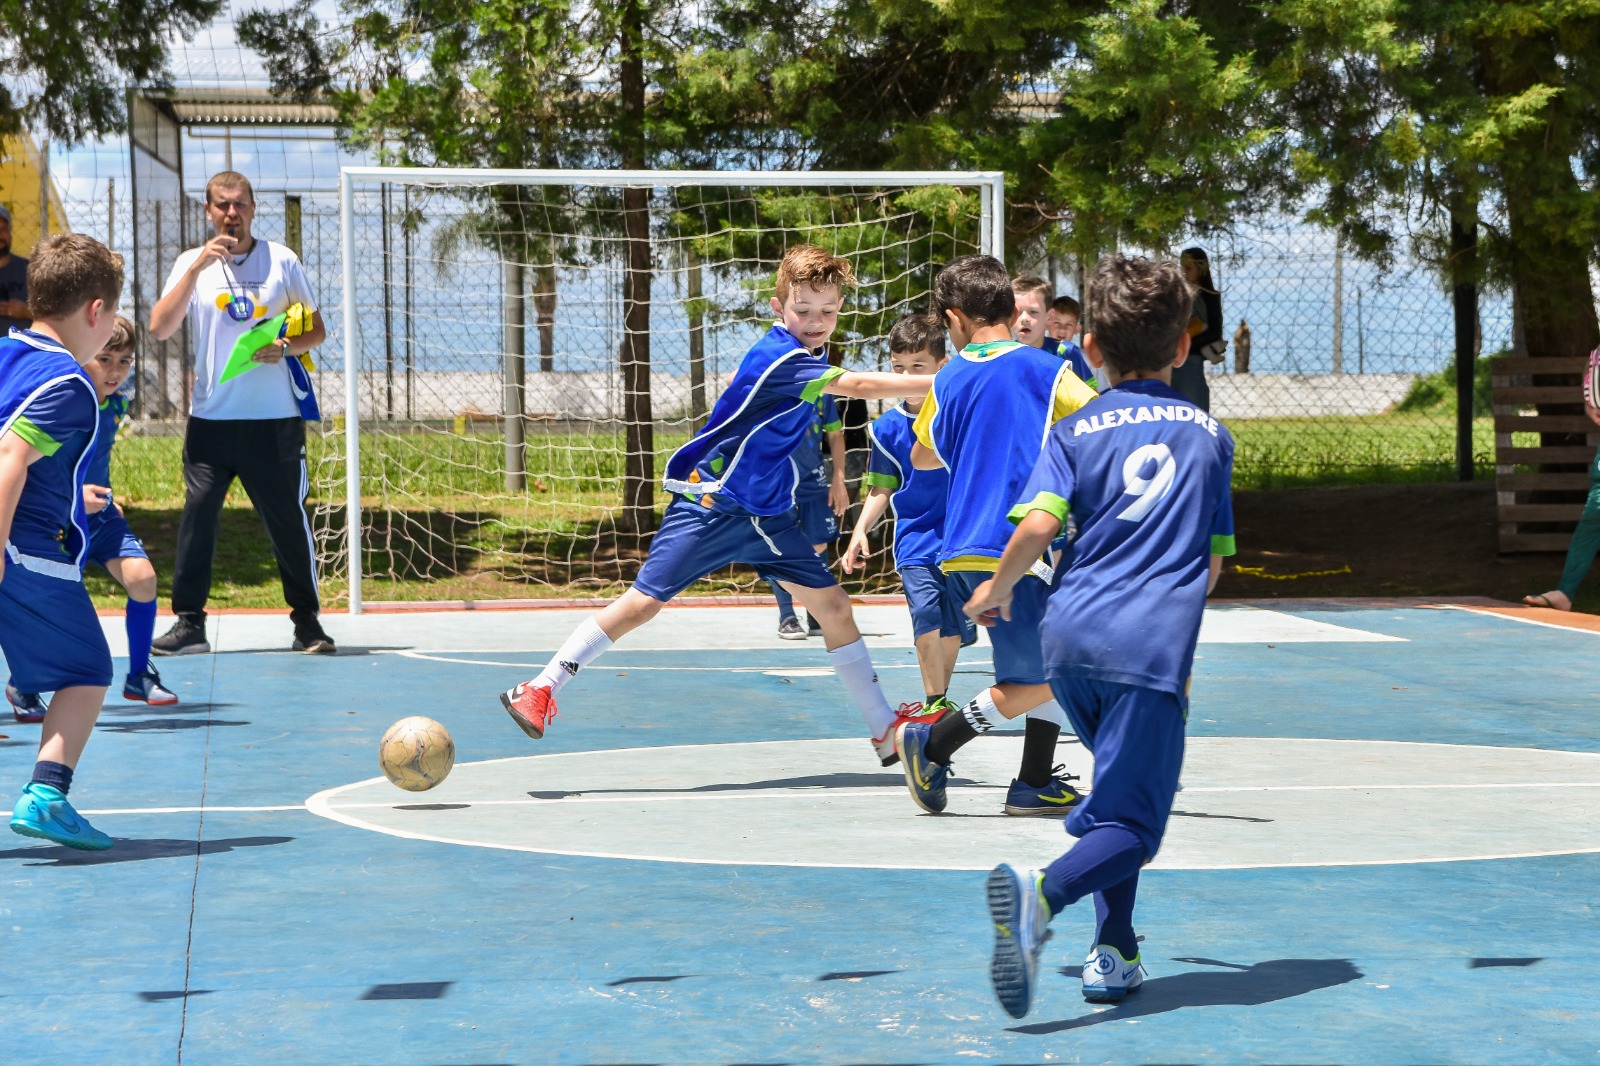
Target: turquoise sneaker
[(926, 780), (44, 812), (1020, 930), (1056, 798), (1108, 977)]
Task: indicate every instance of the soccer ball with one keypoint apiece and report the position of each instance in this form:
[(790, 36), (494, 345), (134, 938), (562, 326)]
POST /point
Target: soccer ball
[(416, 753)]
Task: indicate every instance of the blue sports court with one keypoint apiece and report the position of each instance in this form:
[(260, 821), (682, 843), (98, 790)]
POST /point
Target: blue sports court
[(1386, 850)]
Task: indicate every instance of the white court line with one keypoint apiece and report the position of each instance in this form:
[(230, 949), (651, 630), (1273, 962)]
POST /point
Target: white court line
[(1514, 618), (746, 795), (608, 667)]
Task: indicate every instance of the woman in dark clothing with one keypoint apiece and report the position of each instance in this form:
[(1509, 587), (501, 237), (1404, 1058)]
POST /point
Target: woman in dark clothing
[(1205, 330)]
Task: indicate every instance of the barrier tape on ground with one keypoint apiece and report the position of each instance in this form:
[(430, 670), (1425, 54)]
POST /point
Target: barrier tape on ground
[(1261, 572)]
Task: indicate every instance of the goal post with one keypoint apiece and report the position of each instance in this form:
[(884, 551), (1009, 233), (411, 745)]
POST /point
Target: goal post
[(483, 468)]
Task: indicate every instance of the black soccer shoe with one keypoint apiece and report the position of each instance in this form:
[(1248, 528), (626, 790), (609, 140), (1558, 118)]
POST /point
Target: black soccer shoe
[(309, 638), (184, 638)]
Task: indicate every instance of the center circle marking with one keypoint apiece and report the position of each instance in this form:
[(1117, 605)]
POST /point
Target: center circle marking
[(1247, 802)]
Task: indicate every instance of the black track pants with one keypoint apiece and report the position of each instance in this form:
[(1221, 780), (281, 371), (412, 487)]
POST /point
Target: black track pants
[(268, 456)]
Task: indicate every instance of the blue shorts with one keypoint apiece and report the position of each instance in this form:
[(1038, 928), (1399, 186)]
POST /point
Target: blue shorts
[(1136, 736), (49, 632), (694, 541), (1018, 657), (110, 538), (930, 602), (817, 520)]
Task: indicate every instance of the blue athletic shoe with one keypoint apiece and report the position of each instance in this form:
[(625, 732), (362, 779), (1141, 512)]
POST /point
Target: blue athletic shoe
[(44, 812), (25, 706), (1058, 797), (1020, 930), (1108, 977), (925, 779)]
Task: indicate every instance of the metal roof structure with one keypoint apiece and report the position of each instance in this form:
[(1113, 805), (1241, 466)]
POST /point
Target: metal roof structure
[(236, 107)]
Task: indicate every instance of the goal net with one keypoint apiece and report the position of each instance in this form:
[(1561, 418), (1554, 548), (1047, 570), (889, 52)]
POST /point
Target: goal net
[(526, 348)]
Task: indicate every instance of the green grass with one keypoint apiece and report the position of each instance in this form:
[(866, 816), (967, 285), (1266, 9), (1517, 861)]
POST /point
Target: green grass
[(440, 525)]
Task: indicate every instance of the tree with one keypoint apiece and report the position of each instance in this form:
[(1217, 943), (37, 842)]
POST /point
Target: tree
[(498, 83), (65, 64)]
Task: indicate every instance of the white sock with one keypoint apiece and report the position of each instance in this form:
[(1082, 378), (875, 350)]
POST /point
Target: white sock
[(1050, 711), (981, 713), (581, 648), (854, 667)]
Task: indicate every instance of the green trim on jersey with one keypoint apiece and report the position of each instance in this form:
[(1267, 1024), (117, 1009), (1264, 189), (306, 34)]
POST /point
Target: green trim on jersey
[(1047, 502), (874, 480), (813, 390), (35, 436), (1223, 546)]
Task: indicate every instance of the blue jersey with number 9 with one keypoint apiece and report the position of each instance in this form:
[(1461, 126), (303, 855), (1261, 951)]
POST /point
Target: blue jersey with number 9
[(1145, 473)]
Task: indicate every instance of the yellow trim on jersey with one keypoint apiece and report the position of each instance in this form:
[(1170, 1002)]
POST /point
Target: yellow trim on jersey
[(1071, 393), (975, 563), (922, 427)]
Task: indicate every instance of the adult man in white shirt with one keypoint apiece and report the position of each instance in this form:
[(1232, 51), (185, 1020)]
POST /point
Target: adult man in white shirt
[(248, 427)]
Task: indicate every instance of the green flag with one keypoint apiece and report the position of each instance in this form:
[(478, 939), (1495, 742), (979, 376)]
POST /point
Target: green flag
[(256, 337)]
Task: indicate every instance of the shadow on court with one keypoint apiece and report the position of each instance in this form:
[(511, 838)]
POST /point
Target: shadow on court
[(164, 725), (137, 850), (821, 781), (1234, 986)]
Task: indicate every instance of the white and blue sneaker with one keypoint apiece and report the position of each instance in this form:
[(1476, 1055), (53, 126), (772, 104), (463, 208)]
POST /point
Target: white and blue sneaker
[(44, 812), (1016, 903), (146, 687), (1108, 977)]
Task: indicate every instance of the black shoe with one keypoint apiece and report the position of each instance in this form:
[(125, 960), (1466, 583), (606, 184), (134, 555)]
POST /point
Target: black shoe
[(310, 639), (789, 629), (813, 627), (184, 638)]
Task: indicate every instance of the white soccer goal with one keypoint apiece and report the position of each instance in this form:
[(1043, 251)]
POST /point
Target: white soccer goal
[(525, 347)]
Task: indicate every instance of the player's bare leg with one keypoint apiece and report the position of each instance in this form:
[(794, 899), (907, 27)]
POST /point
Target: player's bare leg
[(43, 810), (848, 654), (533, 703), (934, 662), (952, 652), (68, 723)]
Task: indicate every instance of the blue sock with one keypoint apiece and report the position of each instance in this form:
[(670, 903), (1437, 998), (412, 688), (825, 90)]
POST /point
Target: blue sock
[(57, 775), (785, 601), (1113, 909), (141, 625), (1102, 858)]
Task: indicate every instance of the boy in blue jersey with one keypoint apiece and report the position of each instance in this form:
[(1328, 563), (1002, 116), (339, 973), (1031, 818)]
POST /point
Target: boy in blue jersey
[(1146, 473), (819, 502), (49, 415), (112, 545), (985, 420), (1035, 308), (917, 500), (734, 485)]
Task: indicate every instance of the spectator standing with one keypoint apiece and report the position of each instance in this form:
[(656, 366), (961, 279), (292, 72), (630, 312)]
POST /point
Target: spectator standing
[(13, 282), (1205, 330), (248, 427)]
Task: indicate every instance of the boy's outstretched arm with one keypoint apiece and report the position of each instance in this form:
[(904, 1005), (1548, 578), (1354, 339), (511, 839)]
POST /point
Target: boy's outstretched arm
[(879, 385), (16, 455), (877, 503), (1027, 544)]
